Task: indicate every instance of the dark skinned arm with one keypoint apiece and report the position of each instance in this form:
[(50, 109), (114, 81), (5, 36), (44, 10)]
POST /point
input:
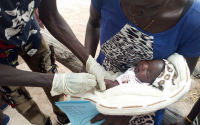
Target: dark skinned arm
[(195, 111), (111, 120), (192, 61), (59, 28), (15, 77), (91, 43), (92, 31), (192, 115)]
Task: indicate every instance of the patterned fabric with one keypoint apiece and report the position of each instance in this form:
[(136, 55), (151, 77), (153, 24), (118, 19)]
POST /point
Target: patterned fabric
[(177, 39), (19, 29), (6, 51), (147, 119), (183, 38), (166, 77), (126, 49)]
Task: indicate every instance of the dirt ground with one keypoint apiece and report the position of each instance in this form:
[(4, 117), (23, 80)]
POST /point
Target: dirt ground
[(76, 13), (187, 102)]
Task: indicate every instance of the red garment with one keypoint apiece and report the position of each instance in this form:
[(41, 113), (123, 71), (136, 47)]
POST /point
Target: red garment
[(3, 55), (37, 17), (4, 45)]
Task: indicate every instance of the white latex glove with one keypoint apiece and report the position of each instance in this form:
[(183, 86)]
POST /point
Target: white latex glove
[(117, 74), (96, 69), (72, 83)]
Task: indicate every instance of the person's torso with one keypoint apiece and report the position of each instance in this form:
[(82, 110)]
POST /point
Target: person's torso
[(123, 44), (18, 28)]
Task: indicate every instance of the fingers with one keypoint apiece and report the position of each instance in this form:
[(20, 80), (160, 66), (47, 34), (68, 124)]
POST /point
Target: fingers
[(97, 118), (108, 81), (91, 82), (108, 76), (90, 63), (90, 76), (117, 74), (101, 83)]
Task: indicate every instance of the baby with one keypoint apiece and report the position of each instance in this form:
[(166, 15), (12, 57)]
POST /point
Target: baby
[(146, 71)]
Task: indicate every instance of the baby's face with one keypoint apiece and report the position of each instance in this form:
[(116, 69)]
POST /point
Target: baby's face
[(148, 70)]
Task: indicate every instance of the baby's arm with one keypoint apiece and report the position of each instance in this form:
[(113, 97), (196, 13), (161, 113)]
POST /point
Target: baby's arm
[(110, 83), (125, 79)]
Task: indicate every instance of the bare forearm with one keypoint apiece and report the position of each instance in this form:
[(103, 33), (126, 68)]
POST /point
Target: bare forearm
[(58, 27), (15, 77), (192, 61), (93, 31), (92, 39)]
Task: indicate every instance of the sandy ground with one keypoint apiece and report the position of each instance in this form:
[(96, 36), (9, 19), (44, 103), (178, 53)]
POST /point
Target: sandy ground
[(76, 13)]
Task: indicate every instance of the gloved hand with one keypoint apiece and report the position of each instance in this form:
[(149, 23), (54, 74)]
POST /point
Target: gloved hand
[(72, 83), (96, 69), (115, 75)]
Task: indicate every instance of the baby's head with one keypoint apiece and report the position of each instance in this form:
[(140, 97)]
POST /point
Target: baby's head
[(148, 70)]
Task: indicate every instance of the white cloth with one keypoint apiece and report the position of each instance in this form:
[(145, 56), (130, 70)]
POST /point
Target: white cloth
[(166, 78), (128, 77), (72, 83), (136, 99)]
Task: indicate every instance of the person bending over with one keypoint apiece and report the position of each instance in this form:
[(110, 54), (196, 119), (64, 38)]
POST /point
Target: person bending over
[(20, 36)]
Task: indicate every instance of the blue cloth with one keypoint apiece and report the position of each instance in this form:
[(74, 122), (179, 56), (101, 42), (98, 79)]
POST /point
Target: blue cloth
[(183, 38), (4, 107), (18, 27), (159, 116), (6, 120)]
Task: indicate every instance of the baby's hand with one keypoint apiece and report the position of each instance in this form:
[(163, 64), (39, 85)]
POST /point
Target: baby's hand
[(110, 83), (125, 79)]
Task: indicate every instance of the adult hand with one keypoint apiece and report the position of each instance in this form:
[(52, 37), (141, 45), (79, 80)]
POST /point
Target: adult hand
[(117, 74), (96, 69), (111, 120), (182, 121), (72, 83)]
